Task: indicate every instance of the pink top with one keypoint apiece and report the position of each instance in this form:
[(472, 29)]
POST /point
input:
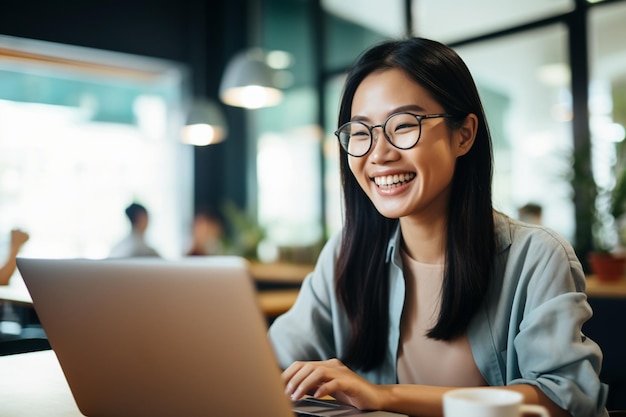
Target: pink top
[(422, 360)]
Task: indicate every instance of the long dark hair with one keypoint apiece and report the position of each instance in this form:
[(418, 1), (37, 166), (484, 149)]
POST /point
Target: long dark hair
[(362, 278)]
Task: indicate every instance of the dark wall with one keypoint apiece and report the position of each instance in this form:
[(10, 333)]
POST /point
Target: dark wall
[(147, 28), (201, 34)]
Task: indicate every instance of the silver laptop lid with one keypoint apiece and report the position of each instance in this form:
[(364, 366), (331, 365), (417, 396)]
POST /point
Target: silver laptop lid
[(150, 337)]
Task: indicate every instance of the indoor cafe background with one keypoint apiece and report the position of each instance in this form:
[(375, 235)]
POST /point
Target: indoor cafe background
[(93, 96)]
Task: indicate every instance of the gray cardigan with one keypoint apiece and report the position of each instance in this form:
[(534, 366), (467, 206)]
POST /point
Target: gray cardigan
[(527, 332)]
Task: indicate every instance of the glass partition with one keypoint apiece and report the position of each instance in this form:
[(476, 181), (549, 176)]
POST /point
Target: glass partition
[(82, 134), (444, 20), (524, 83), (607, 107), (523, 73), (286, 142), (453, 20)]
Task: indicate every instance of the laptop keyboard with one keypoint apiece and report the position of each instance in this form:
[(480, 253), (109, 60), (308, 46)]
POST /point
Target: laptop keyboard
[(308, 407)]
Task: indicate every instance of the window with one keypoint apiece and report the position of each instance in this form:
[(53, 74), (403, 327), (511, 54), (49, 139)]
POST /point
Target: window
[(519, 54), (82, 134), (607, 103), (453, 20), (524, 82)]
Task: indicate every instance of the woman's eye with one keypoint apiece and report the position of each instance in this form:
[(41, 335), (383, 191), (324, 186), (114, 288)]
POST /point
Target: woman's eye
[(405, 126)]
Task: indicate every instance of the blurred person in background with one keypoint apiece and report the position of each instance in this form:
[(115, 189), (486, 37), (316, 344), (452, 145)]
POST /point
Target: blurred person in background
[(135, 245), (530, 213), (207, 232)]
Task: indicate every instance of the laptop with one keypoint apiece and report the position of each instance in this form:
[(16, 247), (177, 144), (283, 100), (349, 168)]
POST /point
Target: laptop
[(149, 337)]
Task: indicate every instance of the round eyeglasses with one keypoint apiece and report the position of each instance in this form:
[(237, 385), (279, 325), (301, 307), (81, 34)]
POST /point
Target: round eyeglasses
[(402, 130)]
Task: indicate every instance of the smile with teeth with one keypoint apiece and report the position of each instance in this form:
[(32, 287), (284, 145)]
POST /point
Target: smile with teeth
[(392, 181)]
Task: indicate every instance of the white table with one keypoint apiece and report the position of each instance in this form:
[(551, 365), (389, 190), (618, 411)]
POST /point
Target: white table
[(33, 384)]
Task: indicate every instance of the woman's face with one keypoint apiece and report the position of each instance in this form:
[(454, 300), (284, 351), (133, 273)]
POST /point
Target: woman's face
[(413, 182)]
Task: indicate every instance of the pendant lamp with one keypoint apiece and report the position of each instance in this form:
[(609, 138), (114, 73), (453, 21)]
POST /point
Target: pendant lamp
[(205, 123), (249, 82)]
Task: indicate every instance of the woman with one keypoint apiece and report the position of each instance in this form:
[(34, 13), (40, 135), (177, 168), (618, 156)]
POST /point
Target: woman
[(428, 288)]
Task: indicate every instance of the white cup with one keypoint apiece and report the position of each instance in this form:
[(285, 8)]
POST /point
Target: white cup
[(487, 402)]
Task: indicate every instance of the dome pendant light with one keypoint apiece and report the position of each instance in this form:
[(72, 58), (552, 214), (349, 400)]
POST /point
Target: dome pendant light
[(249, 82), (205, 124)]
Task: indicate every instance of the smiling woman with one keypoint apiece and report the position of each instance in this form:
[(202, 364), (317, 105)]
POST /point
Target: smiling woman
[(419, 154), (427, 285)]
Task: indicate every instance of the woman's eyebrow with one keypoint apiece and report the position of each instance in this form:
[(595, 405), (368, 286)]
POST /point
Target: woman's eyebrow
[(409, 107)]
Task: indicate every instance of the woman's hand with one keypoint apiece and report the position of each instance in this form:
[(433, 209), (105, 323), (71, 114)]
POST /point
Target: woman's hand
[(332, 378)]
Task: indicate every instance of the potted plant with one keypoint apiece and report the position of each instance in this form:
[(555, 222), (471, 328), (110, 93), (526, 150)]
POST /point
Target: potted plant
[(600, 239), (608, 258)]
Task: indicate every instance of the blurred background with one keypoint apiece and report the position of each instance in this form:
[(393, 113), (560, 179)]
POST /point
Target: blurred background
[(94, 97)]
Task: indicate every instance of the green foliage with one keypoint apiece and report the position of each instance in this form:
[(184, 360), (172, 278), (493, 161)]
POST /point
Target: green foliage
[(245, 231), (584, 197), (618, 195), (598, 209), (605, 206)]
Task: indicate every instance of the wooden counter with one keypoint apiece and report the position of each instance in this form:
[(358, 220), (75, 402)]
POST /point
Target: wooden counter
[(291, 275), (276, 302), (615, 289), (279, 272), (274, 299)]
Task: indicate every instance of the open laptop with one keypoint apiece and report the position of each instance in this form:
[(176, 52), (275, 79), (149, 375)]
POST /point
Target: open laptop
[(152, 337)]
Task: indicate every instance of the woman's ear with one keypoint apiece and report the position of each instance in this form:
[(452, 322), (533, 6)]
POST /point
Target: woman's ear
[(466, 134)]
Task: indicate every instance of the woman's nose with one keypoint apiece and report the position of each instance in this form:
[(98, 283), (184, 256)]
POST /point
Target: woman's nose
[(381, 148)]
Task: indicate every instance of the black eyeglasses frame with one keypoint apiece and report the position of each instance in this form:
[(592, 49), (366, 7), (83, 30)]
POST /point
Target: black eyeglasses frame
[(418, 117)]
